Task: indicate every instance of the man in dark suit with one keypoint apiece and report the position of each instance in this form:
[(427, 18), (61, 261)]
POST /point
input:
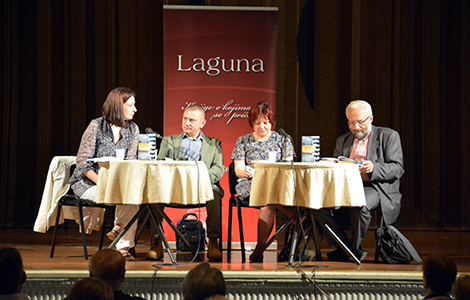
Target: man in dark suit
[(192, 144), (380, 151)]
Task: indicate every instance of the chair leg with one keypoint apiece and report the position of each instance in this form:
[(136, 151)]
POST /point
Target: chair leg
[(103, 228), (240, 228), (82, 229), (376, 259), (54, 235), (220, 229), (229, 234)]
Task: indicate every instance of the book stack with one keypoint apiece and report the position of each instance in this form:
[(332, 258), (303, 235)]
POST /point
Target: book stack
[(147, 147), (341, 159), (310, 148)]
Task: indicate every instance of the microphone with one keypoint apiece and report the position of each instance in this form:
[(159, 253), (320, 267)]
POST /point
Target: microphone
[(149, 130), (286, 136)]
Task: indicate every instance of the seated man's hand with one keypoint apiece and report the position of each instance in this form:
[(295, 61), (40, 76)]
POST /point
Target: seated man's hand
[(366, 167)]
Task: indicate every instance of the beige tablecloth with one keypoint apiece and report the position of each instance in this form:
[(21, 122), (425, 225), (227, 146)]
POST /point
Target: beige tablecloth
[(142, 182), (318, 185)]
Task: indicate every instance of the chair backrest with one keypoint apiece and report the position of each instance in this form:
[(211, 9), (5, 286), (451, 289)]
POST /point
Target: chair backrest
[(232, 178), (72, 169)]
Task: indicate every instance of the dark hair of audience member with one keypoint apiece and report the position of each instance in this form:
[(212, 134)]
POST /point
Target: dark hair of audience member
[(12, 275), (217, 297), (91, 288), (461, 288), (439, 271), (203, 282), (110, 266), (261, 109)]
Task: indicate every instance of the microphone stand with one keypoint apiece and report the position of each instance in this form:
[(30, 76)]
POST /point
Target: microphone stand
[(299, 212), (284, 144)]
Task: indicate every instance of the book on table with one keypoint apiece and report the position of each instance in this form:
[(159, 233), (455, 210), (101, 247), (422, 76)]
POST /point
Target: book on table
[(341, 159)]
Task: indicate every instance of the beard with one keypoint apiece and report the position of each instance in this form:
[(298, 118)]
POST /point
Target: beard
[(361, 133)]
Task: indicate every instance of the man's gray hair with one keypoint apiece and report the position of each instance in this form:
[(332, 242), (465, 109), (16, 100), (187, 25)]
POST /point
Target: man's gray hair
[(355, 104)]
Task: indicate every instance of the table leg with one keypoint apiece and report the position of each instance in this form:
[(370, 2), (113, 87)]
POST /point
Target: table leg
[(314, 232), (142, 221), (274, 237), (293, 245), (338, 240), (123, 232), (177, 232), (158, 225), (294, 238)]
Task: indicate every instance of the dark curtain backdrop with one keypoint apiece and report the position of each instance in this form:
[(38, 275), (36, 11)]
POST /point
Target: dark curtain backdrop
[(409, 59)]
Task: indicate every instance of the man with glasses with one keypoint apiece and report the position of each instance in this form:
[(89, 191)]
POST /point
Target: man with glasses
[(379, 150)]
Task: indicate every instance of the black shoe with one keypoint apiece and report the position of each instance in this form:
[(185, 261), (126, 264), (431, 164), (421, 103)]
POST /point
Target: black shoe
[(359, 254), (338, 255)]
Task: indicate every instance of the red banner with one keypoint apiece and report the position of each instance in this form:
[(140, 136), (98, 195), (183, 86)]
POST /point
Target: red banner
[(223, 59)]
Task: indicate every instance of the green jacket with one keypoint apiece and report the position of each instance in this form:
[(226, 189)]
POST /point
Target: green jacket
[(211, 155)]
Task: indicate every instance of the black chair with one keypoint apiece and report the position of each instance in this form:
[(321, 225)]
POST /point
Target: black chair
[(239, 203), (70, 199), (381, 222)]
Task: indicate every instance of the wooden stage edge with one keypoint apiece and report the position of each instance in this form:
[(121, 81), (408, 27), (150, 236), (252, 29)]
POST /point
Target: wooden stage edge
[(52, 278), (35, 248)]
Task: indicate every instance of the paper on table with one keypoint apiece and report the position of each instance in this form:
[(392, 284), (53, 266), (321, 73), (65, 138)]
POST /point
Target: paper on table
[(102, 159)]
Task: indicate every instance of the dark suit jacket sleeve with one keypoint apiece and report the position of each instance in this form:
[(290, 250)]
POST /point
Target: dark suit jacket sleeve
[(388, 161), (384, 151), (343, 145)]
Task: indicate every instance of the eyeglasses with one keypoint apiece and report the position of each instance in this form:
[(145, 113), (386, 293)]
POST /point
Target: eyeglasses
[(358, 122)]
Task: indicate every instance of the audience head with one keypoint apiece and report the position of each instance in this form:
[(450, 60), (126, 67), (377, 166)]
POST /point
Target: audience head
[(119, 107), (110, 266), (194, 119), (261, 109), (203, 282), (12, 275), (359, 115), (439, 273), (217, 297), (90, 289), (461, 288)]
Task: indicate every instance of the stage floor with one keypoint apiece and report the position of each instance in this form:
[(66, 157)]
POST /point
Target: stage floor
[(35, 248)]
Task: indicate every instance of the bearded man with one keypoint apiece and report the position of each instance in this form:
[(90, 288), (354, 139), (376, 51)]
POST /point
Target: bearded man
[(379, 150)]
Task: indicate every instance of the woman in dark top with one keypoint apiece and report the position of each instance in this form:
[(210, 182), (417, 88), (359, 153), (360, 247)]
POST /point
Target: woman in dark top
[(113, 130)]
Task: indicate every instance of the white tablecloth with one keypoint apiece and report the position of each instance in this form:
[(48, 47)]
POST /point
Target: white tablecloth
[(142, 182), (315, 185)]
